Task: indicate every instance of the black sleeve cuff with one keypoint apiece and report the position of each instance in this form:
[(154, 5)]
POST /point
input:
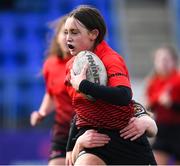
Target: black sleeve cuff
[(85, 86)]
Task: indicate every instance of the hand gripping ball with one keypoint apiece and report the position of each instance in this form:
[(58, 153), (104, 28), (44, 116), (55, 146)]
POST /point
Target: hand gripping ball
[(96, 72)]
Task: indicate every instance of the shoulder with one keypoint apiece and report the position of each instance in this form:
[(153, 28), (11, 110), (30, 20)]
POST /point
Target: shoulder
[(51, 60), (113, 59), (108, 55)]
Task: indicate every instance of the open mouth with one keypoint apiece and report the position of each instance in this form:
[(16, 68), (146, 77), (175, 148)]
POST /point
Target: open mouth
[(70, 46)]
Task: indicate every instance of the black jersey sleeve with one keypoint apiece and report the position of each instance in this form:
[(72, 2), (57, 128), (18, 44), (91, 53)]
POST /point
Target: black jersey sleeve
[(120, 95)]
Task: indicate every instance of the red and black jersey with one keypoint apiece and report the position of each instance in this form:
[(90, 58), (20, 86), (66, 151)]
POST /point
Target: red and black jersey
[(54, 74), (156, 86), (100, 113)]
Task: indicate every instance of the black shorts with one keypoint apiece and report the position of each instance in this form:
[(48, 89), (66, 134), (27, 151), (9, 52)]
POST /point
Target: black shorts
[(58, 142), (167, 140), (123, 152)]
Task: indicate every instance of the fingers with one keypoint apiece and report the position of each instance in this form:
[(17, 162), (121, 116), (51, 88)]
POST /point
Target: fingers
[(129, 133), (100, 139), (84, 70), (94, 145), (72, 74), (133, 130), (127, 128), (132, 120), (68, 160), (76, 79), (135, 137), (91, 138), (35, 118)]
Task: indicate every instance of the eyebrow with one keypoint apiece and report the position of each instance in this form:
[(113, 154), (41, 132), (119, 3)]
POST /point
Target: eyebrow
[(74, 29)]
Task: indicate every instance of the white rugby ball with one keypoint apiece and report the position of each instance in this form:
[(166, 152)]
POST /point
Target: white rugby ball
[(96, 72)]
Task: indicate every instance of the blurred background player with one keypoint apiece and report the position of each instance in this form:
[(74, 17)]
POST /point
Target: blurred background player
[(56, 98), (163, 98)]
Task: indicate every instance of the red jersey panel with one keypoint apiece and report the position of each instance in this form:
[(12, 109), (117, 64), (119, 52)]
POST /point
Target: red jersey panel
[(54, 74), (100, 113), (157, 85), (115, 66)]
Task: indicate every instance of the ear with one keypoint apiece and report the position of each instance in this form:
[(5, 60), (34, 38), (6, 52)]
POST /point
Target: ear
[(94, 34)]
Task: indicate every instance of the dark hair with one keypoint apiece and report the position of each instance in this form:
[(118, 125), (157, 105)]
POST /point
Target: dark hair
[(54, 48), (92, 19)]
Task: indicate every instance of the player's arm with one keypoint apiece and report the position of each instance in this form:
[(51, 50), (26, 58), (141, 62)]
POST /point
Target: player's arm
[(76, 143), (90, 139), (47, 106), (120, 95), (141, 122)]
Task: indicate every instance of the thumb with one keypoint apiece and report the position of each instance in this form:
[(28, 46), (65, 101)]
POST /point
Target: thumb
[(132, 120), (72, 74), (84, 70)]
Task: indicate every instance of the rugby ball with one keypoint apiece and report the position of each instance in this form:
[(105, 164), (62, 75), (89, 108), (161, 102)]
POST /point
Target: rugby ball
[(96, 72)]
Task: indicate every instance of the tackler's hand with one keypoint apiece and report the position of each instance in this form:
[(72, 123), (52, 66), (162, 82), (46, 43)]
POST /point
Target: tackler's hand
[(90, 139), (68, 161), (77, 78), (135, 128)]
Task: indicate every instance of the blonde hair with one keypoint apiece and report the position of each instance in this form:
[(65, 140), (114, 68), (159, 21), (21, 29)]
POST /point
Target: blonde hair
[(54, 49)]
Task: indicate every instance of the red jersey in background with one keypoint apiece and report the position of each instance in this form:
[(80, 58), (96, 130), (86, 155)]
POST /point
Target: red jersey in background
[(157, 85), (54, 74)]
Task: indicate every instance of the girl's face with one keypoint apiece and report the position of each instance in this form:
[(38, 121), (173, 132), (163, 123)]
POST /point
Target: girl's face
[(61, 40), (78, 37), (164, 62)]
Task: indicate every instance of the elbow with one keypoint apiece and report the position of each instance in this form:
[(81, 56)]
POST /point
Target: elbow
[(127, 97), (153, 130)]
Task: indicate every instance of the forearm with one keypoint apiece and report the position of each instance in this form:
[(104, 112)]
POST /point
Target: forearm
[(120, 95), (76, 150), (47, 105), (151, 127)]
